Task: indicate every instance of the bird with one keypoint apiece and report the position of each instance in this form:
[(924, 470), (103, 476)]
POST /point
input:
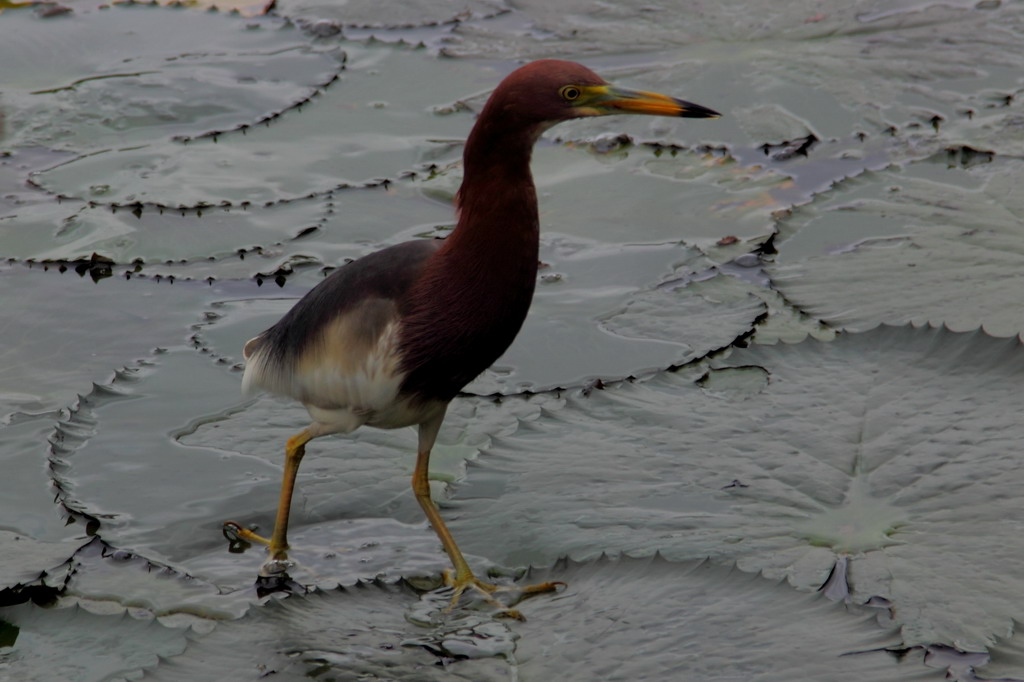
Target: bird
[(390, 339)]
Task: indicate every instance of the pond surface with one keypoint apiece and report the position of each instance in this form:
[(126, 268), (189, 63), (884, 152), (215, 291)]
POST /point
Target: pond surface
[(763, 418)]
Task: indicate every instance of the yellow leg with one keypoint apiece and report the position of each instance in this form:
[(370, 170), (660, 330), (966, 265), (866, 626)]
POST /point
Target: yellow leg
[(463, 577), (278, 542), (293, 453), (421, 487)]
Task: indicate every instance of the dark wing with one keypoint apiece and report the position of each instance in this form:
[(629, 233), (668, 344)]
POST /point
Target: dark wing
[(332, 347)]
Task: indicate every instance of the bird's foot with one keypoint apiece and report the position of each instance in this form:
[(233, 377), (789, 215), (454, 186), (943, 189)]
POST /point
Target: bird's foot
[(487, 591), (277, 564), (234, 532)]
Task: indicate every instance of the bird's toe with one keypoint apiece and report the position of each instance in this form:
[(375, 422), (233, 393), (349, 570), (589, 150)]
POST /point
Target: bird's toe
[(512, 594)]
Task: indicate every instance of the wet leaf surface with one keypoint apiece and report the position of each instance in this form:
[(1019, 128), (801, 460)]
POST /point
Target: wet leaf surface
[(357, 630), (586, 323), (32, 569), (77, 644), (380, 630), (390, 15), (103, 80), (223, 242), (949, 240), (27, 484), (595, 628), (635, 25), (36, 538), (872, 446), (369, 125), (858, 66), (101, 574), (865, 171), (57, 342)]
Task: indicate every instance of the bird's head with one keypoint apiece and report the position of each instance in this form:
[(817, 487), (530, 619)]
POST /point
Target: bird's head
[(547, 91)]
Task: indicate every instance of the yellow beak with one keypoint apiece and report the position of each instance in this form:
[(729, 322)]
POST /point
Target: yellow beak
[(601, 100)]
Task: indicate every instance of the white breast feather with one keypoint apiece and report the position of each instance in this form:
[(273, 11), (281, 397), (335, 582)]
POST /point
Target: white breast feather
[(341, 392)]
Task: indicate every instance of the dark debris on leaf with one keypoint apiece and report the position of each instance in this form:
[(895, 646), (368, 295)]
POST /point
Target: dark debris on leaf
[(38, 593), (965, 156), (49, 10), (39, 573), (789, 149), (278, 583), (96, 266)]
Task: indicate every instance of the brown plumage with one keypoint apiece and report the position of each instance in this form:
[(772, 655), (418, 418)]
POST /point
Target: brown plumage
[(390, 339)]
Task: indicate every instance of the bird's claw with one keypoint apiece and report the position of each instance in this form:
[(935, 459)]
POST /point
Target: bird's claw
[(486, 591), (277, 564), (235, 532)]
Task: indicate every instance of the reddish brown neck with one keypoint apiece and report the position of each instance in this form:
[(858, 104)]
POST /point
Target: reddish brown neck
[(473, 295), (497, 201)]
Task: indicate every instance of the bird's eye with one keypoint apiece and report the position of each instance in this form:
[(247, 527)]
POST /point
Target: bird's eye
[(570, 92)]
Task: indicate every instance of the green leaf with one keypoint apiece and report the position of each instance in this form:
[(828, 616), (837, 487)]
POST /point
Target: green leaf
[(634, 619), (399, 14), (69, 642), (948, 248), (70, 331), (31, 569), (96, 80), (617, 620), (876, 447), (101, 574), (360, 631), (370, 125)]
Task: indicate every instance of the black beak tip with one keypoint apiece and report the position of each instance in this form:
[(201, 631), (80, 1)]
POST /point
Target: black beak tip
[(697, 111)]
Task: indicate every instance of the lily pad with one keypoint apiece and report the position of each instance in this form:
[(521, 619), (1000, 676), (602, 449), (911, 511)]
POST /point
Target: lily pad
[(1005, 662), (634, 26), (713, 622), (394, 15), (699, 307), (639, 193), (16, 197), (100, 79), (850, 71), (949, 240), (719, 623), (875, 447), (37, 541), (222, 242), (359, 630), (27, 486), (590, 317), (33, 570), (117, 578), (69, 332), (371, 125), (70, 642)]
